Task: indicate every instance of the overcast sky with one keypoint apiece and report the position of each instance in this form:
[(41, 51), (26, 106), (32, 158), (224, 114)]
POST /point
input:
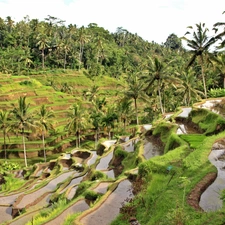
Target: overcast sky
[(153, 20)]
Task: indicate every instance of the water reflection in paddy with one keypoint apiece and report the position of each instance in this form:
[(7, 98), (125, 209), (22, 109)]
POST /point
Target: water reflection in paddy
[(102, 187), (104, 161), (79, 206), (30, 198), (24, 219), (211, 199), (110, 173), (129, 146), (8, 200), (72, 192), (151, 148), (74, 181), (185, 112), (6, 213), (111, 207), (109, 143), (93, 158), (186, 128)]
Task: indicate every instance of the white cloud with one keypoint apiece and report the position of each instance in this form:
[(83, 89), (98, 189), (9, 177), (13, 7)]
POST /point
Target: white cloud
[(151, 19)]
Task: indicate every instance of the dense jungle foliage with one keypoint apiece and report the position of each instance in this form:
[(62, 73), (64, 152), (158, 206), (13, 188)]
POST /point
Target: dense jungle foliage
[(33, 46)]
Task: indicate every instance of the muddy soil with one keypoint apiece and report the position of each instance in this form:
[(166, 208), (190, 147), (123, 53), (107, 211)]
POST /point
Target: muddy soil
[(194, 196)]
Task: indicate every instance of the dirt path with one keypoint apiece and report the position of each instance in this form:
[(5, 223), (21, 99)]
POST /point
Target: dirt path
[(195, 195)]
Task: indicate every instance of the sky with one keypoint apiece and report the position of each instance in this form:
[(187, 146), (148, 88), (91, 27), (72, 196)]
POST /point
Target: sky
[(153, 20)]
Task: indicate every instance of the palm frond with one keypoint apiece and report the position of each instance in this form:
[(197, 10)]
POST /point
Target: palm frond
[(215, 29), (219, 24), (191, 60)]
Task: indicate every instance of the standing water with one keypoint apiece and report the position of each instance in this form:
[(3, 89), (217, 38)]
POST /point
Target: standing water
[(211, 199), (109, 210)]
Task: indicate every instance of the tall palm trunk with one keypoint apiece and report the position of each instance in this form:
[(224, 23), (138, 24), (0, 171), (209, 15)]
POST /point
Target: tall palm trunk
[(160, 99), (24, 148), (109, 134), (136, 110), (189, 97), (223, 80), (77, 139), (203, 76), (43, 143), (43, 58), (64, 65), (81, 54), (124, 124), (4, 134), (96, 138)]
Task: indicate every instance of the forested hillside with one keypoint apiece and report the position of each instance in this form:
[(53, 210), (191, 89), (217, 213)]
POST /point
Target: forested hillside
[(30, 47)]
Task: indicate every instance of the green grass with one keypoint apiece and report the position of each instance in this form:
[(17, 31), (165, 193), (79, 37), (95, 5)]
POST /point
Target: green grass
[(194, 140), (12, 183)]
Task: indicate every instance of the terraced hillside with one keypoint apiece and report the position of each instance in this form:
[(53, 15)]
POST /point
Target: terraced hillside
[(57, 93), (165, 165)]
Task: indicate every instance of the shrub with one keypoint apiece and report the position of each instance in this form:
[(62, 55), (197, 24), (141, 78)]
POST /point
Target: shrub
[(90, 195), (119, 152), (82, 187), (11, 183), (97, 175), (26, 82), (216, 93), (8, 166)]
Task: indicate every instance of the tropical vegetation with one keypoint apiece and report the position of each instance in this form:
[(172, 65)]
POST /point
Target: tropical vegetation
[(64, 87)]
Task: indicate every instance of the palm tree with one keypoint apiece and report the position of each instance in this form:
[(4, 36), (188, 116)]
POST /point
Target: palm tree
[(219, 65), (188, 87), (121, 35), (99, 47), (99, 103), (221, 34), (91, 93), (82, 38), (125, 111), (200, 45), (134, 89), (43, 44), (66, 48), (10, 23), (5, 126), (108, 119), (78, 120), (158, 74), (96, 118), (44, 123), (22, 120), (97, 113)]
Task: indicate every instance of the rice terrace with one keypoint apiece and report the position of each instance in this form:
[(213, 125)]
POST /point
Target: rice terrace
[(103, 128)]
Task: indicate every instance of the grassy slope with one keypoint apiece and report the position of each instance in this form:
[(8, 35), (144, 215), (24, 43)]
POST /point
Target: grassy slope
[(163, 200)]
